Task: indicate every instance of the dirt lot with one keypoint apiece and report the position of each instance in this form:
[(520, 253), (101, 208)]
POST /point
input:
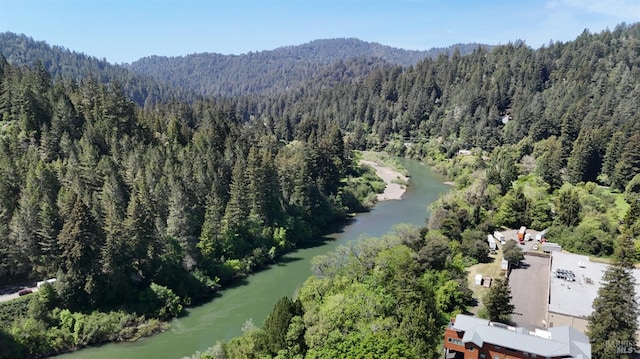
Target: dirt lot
[(529, 287)]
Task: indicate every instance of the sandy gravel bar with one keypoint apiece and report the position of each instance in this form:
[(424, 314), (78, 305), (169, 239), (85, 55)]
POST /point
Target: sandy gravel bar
[(393, 190)]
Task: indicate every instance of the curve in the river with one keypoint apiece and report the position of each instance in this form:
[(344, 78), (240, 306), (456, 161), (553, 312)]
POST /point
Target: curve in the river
[(223, 317)]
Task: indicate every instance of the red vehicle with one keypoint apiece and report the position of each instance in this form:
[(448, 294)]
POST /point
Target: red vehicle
[(521, 234), (25, 292)]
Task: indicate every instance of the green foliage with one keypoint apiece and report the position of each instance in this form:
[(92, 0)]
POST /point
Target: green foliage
[(113, 197), (368, 299), (515, 210), (276, 325), (632, 191), (502, 170), (475, 246), (498, 301), (12, 310), (568, 208), (436, 252), (160, 302), (615, 309), (366, 345), (63, 330), (512, 252), (549, 162)]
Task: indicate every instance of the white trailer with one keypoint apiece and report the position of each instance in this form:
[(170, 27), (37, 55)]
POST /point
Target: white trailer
[(551, 247), (492, 242), (500, 237), (48, 281)]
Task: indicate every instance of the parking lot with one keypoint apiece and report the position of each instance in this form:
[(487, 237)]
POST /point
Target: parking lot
[(527, 246), (529, 288)]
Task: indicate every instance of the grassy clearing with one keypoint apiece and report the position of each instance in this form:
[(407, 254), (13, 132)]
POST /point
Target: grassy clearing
[(491, 269), (621, 204)]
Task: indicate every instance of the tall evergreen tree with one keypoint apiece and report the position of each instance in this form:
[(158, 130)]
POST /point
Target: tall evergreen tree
[(628, 165), (498, 301), (116, 259), (612, 155), (139, 231), (502, 169), (584, 163), (568, 208), (615, 310), (80, 241), (210, 242), (549, 163), (236, 212), (277, 324)]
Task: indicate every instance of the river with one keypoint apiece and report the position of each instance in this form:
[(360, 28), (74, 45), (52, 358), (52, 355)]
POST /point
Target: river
[(223, 317)]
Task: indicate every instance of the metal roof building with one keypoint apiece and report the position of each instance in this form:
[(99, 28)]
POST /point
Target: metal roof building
[(571, 302), (469, 336)]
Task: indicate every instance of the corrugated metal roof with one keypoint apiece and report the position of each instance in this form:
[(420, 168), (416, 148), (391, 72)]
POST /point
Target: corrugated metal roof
[(564, 340)]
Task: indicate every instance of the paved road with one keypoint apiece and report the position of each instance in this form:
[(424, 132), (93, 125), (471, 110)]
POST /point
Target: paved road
[(529, 287), (11, 292)]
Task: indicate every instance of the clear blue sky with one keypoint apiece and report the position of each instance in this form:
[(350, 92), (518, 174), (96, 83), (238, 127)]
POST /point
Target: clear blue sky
[(126, 30)]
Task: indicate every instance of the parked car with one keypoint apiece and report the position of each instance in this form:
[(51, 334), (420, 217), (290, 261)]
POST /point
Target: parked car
[(25, 292)]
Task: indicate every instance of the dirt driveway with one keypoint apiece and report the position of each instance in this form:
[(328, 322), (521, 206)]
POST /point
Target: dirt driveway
[(529, 288)]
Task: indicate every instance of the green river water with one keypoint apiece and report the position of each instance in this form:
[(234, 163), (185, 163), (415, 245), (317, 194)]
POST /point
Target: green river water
[(223, 317)]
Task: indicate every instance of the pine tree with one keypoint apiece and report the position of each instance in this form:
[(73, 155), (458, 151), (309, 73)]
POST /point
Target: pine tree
[(498, 301), (210, 244), (502, 170), (631, 223), (116, 262), (236, 211), (179, 220), (549, 164), (568, 208), (139, 231), (615, 309), (80, 241), (273, 192), (628, 165), (612, 155), (277, 324), (584, 164)]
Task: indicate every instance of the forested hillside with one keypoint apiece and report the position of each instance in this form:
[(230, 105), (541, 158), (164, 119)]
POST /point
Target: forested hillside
[(157, 79), (62, 63), (546, 129), (146, 208), (580, 96), (275, 71)]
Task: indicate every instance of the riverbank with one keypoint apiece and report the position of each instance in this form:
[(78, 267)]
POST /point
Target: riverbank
[(223, 318), (395, 181)]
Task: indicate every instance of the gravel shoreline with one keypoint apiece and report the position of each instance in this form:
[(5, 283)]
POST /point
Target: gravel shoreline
[(393, 191)]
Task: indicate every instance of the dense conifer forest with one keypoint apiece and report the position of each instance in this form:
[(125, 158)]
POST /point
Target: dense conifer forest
[(142, 197)]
